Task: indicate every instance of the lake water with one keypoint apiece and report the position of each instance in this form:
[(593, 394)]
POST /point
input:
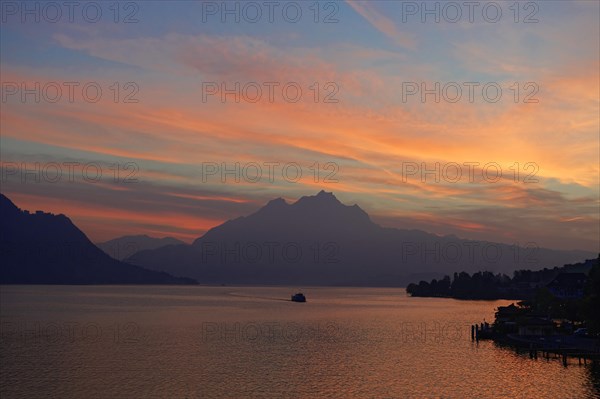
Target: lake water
[(238, 342)]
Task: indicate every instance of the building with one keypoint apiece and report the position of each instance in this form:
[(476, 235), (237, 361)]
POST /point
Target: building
[(568, 285), (506, 316), (536, 326)]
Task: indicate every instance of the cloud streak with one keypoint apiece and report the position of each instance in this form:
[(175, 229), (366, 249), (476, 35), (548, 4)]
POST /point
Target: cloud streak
[(367, 136)]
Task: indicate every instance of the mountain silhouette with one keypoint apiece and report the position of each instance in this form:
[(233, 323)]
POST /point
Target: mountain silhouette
[(42, 248), (321, 215), (319, 241), (123, 247)]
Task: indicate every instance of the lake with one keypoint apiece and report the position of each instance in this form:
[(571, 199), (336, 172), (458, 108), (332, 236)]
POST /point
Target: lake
[(238, 342)]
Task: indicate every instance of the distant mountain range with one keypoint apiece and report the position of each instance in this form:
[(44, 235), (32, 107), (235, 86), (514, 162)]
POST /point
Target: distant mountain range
[(319, 241), (123, 247), (42, 248)]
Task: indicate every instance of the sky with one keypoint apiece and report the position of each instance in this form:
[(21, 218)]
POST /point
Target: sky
[(168, 118)]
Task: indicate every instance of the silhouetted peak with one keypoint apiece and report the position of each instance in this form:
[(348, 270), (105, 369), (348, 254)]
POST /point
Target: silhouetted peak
[(6, 205), (326, 208), (326, 196), (324, 193), (276, 203), (5, 201), (322, 198)]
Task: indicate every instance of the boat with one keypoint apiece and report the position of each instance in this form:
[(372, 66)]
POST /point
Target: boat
[(299, 297)]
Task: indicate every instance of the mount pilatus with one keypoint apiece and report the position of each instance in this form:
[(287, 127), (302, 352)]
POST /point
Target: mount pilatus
[(320, 241)]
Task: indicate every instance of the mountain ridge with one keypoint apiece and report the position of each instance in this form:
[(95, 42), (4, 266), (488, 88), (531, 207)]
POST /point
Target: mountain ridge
[(123, 247), (43, 248), (338, 245)]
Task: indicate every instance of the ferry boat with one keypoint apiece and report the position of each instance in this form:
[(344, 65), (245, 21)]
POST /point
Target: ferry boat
[(299, 297)]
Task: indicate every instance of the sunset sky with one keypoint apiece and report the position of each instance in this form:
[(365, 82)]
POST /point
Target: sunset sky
[(356, 124)]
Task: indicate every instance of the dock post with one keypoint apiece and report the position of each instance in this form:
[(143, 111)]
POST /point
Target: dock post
[(531, 351)]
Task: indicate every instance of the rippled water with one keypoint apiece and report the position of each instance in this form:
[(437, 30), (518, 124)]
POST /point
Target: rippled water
[(236, 342)]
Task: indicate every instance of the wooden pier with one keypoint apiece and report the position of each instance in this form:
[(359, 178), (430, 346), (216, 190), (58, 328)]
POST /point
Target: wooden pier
[(546, 347)]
